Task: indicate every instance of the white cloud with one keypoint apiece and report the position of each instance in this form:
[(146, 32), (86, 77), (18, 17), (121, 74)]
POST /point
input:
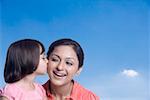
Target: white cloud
[(130, 73)]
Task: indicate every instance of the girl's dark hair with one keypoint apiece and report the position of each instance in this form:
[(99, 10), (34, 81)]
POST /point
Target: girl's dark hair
[(22, 59), (69, 42)]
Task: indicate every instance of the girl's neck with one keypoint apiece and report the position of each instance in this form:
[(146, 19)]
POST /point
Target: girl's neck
[(60, 92), (27, 83)]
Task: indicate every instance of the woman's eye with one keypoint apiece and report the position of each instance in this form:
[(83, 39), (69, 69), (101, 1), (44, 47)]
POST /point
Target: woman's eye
[(54, 59), (69, 63)]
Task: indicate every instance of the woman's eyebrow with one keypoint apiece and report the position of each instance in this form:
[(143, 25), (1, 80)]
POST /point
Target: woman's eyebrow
[(55, 55), (72, 58)]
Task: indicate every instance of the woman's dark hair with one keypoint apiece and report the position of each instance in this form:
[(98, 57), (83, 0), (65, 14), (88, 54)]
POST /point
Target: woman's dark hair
[(69, 42), (22, 59)]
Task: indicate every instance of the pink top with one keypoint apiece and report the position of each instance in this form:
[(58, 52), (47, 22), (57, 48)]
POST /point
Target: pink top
[(13, 92)]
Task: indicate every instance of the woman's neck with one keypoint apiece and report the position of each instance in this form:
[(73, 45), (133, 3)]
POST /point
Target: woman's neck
[(61, 92)]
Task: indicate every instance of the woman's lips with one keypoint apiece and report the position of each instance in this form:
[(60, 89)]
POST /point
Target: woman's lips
[(59, 74)]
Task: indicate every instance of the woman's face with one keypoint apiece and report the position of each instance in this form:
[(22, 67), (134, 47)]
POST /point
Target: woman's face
[(62, 65)]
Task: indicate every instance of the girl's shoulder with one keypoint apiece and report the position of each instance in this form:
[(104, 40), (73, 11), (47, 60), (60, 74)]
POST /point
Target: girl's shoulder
[(40, 88), (41, 91), (10, 91), (11, 88), (13, 92)]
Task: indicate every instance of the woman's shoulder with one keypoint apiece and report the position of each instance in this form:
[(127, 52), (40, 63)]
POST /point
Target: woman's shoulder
[(81, 91)]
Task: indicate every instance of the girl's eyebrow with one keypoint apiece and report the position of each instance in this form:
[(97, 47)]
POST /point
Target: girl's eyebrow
[(42, 53)]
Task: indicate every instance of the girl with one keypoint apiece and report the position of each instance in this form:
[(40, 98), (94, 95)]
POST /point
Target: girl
[(25, 60)]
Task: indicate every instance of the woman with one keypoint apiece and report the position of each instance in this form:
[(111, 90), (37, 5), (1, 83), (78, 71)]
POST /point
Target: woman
[(65, 60)]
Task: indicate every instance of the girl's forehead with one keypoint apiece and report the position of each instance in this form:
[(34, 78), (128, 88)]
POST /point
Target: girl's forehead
[(40, 49)]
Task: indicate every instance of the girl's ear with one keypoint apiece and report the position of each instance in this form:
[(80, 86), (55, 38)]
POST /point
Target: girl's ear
[(79, 71)]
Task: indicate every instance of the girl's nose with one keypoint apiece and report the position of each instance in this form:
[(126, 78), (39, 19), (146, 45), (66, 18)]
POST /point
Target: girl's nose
[(46, 60)]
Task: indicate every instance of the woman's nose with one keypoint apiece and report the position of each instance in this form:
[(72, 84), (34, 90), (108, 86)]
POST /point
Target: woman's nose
[(60, 66)]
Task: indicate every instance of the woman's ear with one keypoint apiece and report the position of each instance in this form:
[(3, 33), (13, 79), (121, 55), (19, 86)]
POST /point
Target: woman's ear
[(79, 71)]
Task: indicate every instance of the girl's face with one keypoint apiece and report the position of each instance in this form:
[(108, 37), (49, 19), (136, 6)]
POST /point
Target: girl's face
[(62, 65), (42, 66)]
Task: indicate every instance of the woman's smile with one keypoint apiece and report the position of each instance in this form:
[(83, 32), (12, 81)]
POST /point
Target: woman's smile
[(59, 74)]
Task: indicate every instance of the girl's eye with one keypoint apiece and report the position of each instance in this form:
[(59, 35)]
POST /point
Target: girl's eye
[(43, 58), (69, 63)]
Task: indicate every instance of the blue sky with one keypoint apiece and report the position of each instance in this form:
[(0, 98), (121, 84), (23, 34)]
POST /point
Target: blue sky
[(113, 33)]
